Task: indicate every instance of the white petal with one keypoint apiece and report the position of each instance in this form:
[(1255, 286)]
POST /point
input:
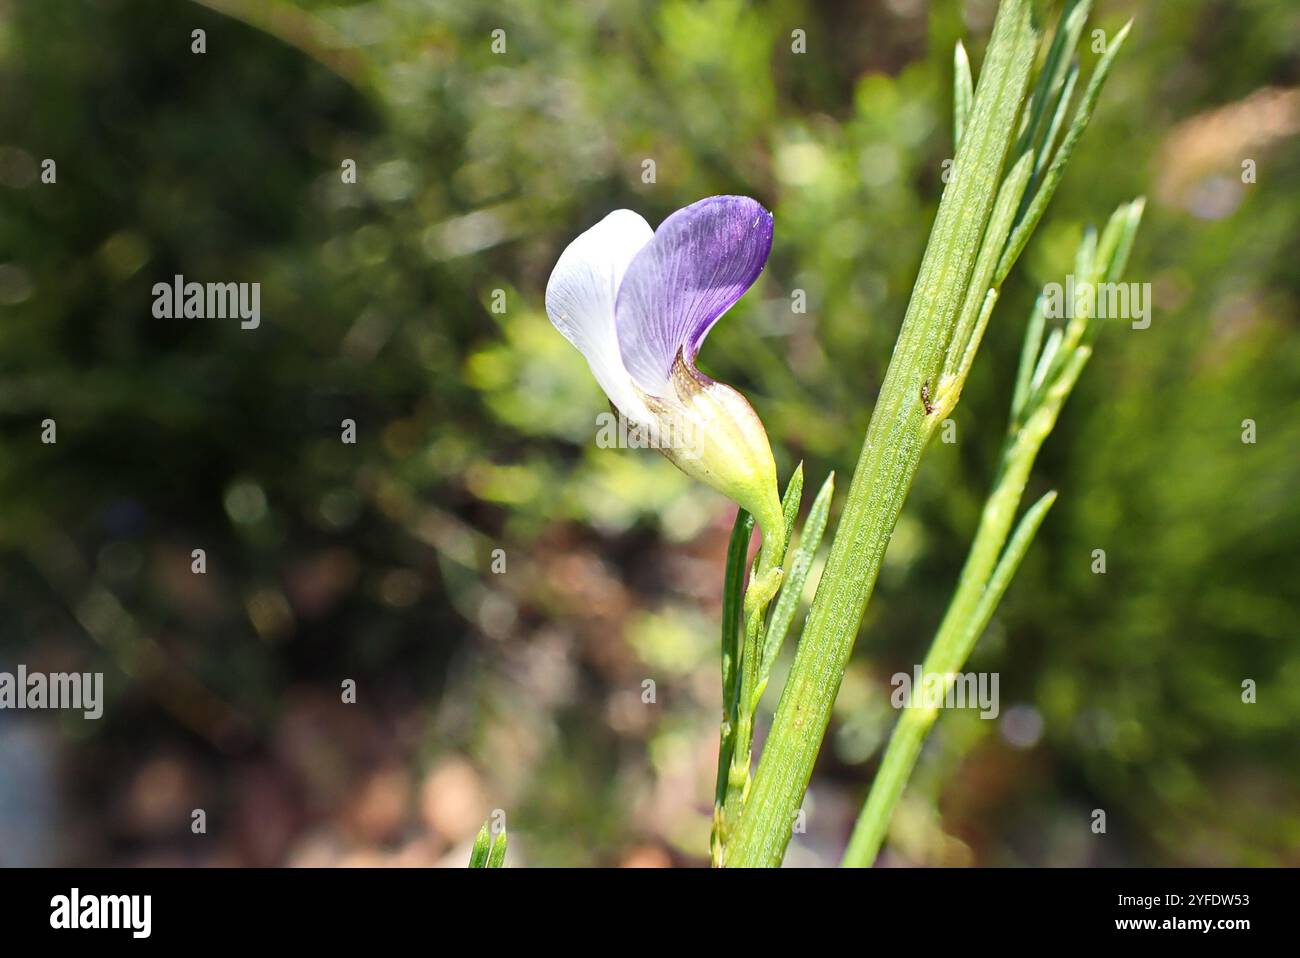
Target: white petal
[(580, 297)]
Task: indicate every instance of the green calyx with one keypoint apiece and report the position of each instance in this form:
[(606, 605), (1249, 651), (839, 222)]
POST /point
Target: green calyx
[(719, 440)]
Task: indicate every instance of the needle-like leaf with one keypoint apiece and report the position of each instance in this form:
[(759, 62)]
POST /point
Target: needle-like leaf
[(792, 588), (497, 857), (482, 846), (1028, 359), (733, 597), (1034, 210)]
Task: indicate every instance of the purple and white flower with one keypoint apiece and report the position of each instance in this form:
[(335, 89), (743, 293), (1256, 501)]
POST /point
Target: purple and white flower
[(638, 303)]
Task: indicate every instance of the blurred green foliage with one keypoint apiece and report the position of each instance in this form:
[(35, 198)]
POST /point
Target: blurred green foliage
[(526, 690)]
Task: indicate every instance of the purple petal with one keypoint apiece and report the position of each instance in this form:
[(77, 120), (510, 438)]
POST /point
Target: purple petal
[(701, 260)]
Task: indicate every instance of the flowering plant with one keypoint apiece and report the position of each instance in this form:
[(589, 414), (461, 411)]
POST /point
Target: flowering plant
[(638, 304)]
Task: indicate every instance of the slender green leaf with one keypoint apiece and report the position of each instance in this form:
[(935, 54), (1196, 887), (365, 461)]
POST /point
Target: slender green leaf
[(482, 845), (790, 503), (792, 588), (1046, 359), (1003, 573), (1132, 216), (1043, 154), (751, 650), (1045, 98), (1034, 211), (733, 591), (1028, 358), (976, 337), (1117, 240), (995, 237), (497, 857), (1108, 242), (1113, 252)]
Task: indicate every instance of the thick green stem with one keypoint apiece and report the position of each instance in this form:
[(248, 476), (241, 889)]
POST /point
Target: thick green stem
[(732, 604), (887, 787)]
